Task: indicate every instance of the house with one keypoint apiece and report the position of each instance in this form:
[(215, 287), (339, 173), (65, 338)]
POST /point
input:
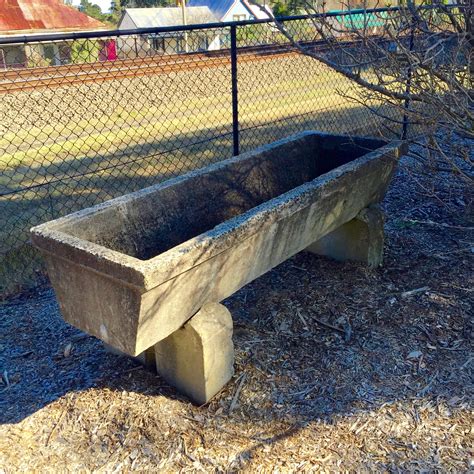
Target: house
[(23, 18), (172, 42), (233, 10)]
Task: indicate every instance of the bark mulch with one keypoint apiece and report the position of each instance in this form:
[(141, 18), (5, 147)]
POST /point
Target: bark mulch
[(338, 367)]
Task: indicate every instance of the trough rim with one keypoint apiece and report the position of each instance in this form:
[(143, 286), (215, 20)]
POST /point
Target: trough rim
[(144, 275)]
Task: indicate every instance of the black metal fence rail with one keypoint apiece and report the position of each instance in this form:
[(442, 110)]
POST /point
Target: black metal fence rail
[(86, 117)]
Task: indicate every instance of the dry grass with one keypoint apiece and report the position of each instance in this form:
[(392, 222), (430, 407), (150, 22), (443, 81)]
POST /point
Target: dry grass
[(389, 390)]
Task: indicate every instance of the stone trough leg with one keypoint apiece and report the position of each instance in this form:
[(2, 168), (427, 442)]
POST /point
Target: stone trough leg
[(198, 359), (360, 239)]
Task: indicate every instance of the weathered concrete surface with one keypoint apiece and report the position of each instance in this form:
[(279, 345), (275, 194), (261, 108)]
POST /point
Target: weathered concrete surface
[(198, 359), (361, 239), (133, 270)]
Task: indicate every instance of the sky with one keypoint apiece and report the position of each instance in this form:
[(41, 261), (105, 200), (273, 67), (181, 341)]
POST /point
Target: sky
[(103, 4)]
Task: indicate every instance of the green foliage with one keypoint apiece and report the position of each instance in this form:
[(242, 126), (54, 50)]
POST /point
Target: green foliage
[(288, 7), (280, 8), (116, 11), (252, 35), (92, 10), (38, 62), (85, 51)]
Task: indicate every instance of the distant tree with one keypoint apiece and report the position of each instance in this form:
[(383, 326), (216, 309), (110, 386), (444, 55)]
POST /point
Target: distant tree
[(287, 7), (92, 10), (280, 8), (116, 11)]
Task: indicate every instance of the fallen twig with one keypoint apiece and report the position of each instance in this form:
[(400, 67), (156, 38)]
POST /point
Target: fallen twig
[(467, 363), (330, 326), (237, 393), (407, 294), (438, 224), (424, 390), (303, 320), (60, 419), (5, 378)]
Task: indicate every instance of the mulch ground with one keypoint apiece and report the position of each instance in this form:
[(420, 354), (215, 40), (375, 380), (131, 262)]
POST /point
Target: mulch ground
[(338, 367)]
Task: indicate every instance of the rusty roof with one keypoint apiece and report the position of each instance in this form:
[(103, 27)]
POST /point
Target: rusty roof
[(34, 16)]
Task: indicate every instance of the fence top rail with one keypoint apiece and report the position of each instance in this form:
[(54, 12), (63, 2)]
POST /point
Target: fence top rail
[(38, 38)]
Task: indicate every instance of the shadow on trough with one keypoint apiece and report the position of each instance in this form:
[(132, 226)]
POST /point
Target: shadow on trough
[(81, 181)]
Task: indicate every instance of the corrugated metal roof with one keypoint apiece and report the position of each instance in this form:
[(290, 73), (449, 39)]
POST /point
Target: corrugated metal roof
[(221, 7), (31, 16), (169, 16), (218, 7)]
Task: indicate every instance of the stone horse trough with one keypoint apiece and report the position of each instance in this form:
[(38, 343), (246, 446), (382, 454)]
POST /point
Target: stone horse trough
[(146, 272)]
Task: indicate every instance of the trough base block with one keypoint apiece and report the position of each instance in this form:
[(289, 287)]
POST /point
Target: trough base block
[(360, 239), (198, 359)]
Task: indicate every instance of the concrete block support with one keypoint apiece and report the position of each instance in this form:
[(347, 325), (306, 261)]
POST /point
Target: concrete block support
[(198, 359), (360, 239)]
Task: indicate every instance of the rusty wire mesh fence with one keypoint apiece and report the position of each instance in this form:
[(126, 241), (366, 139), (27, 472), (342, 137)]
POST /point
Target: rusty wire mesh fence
[(87, 118)]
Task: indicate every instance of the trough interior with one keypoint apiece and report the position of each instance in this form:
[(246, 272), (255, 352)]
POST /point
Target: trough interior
[(150, 223)]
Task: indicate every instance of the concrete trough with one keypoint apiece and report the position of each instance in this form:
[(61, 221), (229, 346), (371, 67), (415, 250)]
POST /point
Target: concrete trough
[(132, 271)]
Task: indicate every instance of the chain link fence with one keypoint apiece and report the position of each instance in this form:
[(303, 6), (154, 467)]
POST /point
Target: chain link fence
[(89, 117)]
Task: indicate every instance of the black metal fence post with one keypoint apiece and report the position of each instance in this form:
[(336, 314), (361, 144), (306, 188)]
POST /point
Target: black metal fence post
[(235, 94)]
